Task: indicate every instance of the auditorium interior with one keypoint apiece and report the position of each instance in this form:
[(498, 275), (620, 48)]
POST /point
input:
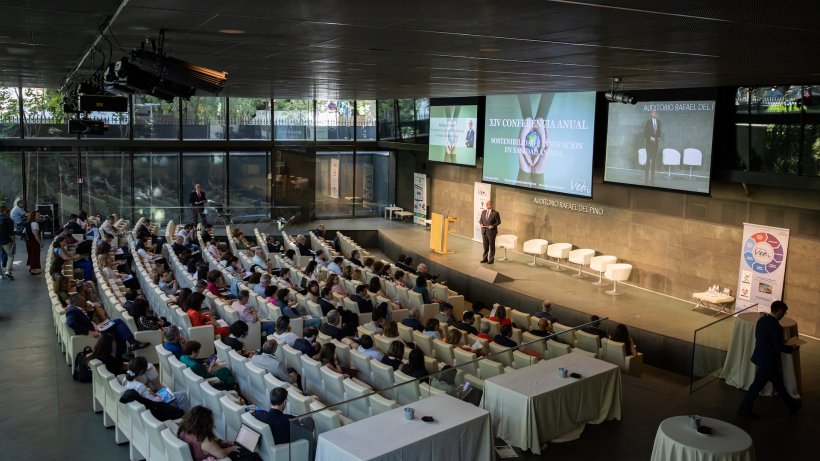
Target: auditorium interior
[(291, 115)]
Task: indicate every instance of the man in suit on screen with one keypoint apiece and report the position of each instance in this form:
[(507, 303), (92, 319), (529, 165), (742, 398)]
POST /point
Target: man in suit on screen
[(489, 222), (652, 134), (469, 141)]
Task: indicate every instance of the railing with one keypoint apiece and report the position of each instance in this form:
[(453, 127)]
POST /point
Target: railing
[(709, 348)]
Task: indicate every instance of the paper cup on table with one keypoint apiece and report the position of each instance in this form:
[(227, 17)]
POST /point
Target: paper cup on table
[(409, 413)]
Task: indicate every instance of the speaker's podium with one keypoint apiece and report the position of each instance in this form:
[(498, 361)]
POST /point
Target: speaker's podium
[(439, 231)]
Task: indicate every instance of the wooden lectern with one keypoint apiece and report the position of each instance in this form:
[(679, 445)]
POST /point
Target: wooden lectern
[(439, 230)]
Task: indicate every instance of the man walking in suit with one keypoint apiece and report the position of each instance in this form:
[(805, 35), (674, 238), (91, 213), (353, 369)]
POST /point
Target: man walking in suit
[(769, 345), (469, 141), (489, 222), (652, 133), (198, 200)]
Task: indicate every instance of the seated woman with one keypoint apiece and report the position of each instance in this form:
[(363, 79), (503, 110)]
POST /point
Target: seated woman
[(327, 356), (108, 267), (415, 365), (89, 290), (335, 284), (135, 378), (421, 287), (311, 272), (391, 332), (190, 357), (215, 285), (314, 291), (395, 355), (195, 305), (144, 321), (62, 287), (292, 309), (374, 286), (431, 328), (621, 335), (501, 316), (454, 336), (398, 278), (197, 430)]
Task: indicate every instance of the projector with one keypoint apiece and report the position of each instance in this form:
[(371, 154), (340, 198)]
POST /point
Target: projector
[(102, 103), (179, 72), (620, 96)]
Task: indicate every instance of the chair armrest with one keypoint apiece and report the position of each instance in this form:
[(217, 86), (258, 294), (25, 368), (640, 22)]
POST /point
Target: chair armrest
[(634, 365)]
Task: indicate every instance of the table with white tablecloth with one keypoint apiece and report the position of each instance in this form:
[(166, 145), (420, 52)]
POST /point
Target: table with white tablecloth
[(677, 440), (534, 404), (738, 369), (461, 431)]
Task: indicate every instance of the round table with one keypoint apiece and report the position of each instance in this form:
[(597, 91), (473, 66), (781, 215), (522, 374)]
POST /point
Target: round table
[(676, 440), (738, 369)]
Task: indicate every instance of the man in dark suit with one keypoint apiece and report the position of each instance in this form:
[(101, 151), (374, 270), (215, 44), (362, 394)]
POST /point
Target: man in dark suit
[(652, 134), (198, 200), (327, 302), (469, 141), (79, 320), (276, 418), (769, 345), (489, 222), (412, 320), (302, 246), (466, 324), (332, 326), (504, 337), (365, 306), (543, 328), (595, 328), (354, 258)]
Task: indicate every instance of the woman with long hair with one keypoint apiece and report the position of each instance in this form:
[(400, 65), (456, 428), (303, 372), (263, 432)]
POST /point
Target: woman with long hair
[(197, 430), (621, 335), (33, 243), (136, 377)]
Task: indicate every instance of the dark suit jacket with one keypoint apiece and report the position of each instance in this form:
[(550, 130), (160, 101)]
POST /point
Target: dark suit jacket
[(648, 133), (330, 330), (356, 262), (326, 305), (234, 343), (193, 199), (469, 141), (595, 331), (769, 342), (365, 306), (504, 341), (143, 231), (78, 321), (466, 327), (540, 333), (303, 249), (279, 424), (490, 218), (413, 323)]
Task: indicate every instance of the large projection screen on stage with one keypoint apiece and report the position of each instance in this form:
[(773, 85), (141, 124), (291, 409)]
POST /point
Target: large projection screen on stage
[(662, 144), (453, 134), (540, 141)]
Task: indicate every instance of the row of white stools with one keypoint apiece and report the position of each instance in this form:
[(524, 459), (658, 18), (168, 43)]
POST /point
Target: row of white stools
[(606, 265)]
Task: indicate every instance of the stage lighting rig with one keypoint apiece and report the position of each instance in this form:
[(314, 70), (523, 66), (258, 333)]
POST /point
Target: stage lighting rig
[(616, 93)]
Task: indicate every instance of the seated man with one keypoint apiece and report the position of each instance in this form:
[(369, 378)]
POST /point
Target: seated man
[(320, 231), (302, 246), (445, 313), (239, 330), (466, 323), (412, 320), (260, 287), (504, 338), (361, 298), (276, 418), (335, 266), (327, 302), (332, 327), (206, 233), (485, 331), (178, 245), (274, 246), (377, 323), (79, 320), (354, 258), (307, 344), (366, 347), (259, 258), (268, 361), (595, 328), (172, 339), (546, 312), (544, 328), (421, 269)]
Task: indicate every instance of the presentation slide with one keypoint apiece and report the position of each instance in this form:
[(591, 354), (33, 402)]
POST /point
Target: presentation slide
[(663, 144), (453, 134), (540, 141)]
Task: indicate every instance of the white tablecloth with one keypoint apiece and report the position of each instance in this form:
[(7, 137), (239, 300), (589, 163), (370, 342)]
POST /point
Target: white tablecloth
[(533, 404), (461, 432), (676, 440), (739, 371)]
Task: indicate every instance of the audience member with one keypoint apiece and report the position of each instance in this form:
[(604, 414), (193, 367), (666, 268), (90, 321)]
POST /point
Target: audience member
[(415, 364), (395, 355), (276, 418), (431, 328), (172, 340), (466, 324), (546, 312), (269, 361), (621, 335), (79, 320), (366, 347), (213, 369), (501, 316), (412, 320), (445, 313), (283, 335), (595, 328), (544, 328), (197, 430), (249, 315), (239, 330), (332, 327), (504, 337)]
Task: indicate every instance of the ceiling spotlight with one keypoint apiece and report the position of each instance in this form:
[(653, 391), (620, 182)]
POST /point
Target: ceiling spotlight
[(617, 94)]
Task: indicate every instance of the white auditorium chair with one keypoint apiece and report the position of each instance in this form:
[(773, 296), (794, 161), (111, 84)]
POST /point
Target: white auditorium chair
[(642, 156), (506, 241), (175, 449), (588, 342), (556, 349), (297, 450), (210, 400), (334, 386), (598, 264), (535, 247), (692, 157), (360, 407), (670, 157), (153, 428), (615, 353), (379, 404), (582, 257), (232, 412), (326, 420), (559, 251), (140, 446), (361, 363), (619, 272), (522, 360)]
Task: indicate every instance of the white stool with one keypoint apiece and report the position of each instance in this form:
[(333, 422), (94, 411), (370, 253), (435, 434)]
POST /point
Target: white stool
[(617, 272), (691, 158), (506, 241), (535, 247), (582, 257), (599, 263), (670, 157), (559, 251)]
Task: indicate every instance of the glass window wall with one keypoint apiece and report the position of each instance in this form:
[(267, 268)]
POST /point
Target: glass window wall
[(52, 179), (374, 184), (203, 117), (107, 182), (334, 120), (366, 120), (293, 119), (249, 185), (387, 119), (249, 118), (11, 176), (156, 189), (208, 170), (155, 118), (43, 114), (9, 112)]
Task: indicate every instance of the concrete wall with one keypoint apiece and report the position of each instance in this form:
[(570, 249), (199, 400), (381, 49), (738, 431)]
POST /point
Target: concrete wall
[(677, 243)]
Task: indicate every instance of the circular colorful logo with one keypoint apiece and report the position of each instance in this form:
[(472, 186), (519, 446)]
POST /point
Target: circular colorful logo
[(532, 142), (763, 253)]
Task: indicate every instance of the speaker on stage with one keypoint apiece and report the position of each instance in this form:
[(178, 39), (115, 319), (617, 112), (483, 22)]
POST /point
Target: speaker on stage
[(490, 276)]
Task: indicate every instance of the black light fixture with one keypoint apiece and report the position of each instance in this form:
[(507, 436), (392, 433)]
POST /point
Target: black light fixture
[(617, 94)]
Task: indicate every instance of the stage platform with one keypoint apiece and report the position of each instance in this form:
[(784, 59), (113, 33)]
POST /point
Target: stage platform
[(662, 326)]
